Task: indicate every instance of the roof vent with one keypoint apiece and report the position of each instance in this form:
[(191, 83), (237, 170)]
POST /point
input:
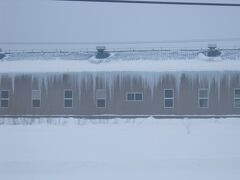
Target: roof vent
[(212, 46), (100, 48), (101, 53), (213, 51), (2, 55)]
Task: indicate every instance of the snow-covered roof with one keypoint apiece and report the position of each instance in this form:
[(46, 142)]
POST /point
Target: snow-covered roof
[(151, 61), (27, 66), (125, 55)]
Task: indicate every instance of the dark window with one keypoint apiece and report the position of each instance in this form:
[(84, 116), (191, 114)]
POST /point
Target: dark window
[(168, 98), (203, 98), (68, 103), (203, 93), (203, 102), (36, 98), (4, 99), (138, 96), (4, 103), (130, 96), (101, 103), (135, 96), (237, 103), (100, 98), (237, 93), (168, 103), (168, 93), (68, 98), (237, 98), (4, 94), (68, 94), (36, 103)]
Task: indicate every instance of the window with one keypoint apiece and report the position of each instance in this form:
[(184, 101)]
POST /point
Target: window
[(4, 99), (101, 103), (138, 96), (135, 96), (100, 98), (168, 98), (68, 98), (36, 98), (130, 96), (237, 98), (203, 98)]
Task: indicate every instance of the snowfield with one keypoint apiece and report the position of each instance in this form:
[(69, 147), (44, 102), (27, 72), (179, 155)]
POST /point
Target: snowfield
[(120, 149)]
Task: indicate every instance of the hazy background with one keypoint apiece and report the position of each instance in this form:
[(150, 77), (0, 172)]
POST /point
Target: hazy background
[(57, 21)]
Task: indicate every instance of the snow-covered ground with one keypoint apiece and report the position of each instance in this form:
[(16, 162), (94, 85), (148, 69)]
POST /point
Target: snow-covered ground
[(171, 149)]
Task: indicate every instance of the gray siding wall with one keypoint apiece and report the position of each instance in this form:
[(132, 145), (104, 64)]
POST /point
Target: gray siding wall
[(220, 84)]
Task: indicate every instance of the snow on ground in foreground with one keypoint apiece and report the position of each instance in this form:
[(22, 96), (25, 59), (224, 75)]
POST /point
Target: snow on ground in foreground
[(121, 149)]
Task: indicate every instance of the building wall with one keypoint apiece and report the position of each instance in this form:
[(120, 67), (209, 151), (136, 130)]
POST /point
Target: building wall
[(185, 85)]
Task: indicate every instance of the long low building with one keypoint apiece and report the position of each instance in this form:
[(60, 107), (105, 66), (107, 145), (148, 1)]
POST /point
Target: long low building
[(196, 87)]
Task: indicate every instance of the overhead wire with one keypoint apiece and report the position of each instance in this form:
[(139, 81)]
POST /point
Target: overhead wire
[(181, 3)]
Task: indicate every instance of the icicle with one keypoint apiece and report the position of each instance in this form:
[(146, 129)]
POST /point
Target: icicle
[(79, 83), (109, 80), (219, 87), (178, 77), (94, 86), (131, 82), (12, 76), (39, 82), (209, 83), (151, 76), (229, 82), (120, 80)]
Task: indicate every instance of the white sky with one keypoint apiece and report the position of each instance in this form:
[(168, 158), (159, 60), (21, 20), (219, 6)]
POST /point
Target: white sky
[(54, 21)]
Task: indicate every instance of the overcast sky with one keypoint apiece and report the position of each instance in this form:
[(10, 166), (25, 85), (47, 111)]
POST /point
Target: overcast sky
[(54, 21)]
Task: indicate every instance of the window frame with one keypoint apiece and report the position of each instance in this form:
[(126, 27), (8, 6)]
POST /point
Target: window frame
[(101, 98), (235, 98), (67, 98), (138, 93), (4, 98), (97, 103), (200, 98), (134, 96), (36, 98), (168, 98)]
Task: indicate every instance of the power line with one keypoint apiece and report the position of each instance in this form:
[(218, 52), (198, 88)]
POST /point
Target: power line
[(161, 2), (125, 42)]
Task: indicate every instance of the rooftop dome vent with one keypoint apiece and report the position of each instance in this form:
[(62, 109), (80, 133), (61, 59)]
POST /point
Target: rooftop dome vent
[(2, 55), (213, 51), (212, 46), (101, 53)]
